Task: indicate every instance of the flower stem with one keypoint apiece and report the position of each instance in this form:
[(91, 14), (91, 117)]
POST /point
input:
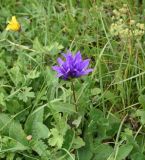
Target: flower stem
[(74, 95)]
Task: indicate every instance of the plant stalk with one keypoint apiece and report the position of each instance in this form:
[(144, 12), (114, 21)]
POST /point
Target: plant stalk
[(74, 95)]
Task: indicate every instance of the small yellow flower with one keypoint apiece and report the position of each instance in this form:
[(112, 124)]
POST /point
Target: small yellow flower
[(13, 25)]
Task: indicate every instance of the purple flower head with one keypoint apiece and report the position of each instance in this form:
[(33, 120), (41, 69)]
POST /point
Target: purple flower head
[(73, 66)]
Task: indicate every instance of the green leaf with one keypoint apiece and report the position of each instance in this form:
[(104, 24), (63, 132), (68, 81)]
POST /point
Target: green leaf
[(34, 126), (16, 132), (32, 119), (3, 66), (56, 138), (40, 131), (5, 122), (98, 123), (9, 127), (12, 145), (110, 96), (16, 76), (2, 101), (54, 48), (124, 151), (68, 139), (13, 106), (141, 113), (33, 74), (78, 143), (25, 94), (85, 153), (102, 151), (10, 156), (40, 147), (62, 107), (37, 45), (95, 91), (141, 100), (137, 156)]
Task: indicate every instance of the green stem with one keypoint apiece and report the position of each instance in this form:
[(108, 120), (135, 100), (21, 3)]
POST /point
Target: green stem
[(74, 95)]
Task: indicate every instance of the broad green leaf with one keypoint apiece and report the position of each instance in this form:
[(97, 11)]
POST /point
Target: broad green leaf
[(16, 132), (68, 139), (63, 107), (13, 145), (114, 123), (98, 124), (78, 143), (137, 156), (5, 122), (13, 106), (40, 130), (124, 151), (141, 113), (102, 151), (32, 119), (9, 127), (85, 153), (16, 76)]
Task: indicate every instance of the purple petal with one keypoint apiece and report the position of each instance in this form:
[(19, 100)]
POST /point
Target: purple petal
[(85, 64), (60, 61), (56, 68), (68, 54), (88, 71), (65, 67), (59, 75), (69, 61), (73, 66), (78, 57), (78, 74)]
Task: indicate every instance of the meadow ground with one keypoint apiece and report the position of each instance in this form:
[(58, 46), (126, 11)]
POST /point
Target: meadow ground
[(99, 116)]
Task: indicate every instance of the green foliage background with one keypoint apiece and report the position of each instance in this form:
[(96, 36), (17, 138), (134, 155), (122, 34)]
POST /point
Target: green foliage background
[(38, 120)]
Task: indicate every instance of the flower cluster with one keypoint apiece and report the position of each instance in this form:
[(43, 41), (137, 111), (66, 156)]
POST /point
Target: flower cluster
[(124, 27), (73, 66)]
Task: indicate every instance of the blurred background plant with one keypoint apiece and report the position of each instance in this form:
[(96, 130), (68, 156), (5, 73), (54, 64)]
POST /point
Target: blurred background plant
[(124, 27)]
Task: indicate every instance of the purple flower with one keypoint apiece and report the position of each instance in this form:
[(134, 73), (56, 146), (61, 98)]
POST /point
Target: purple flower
[(73, 66)]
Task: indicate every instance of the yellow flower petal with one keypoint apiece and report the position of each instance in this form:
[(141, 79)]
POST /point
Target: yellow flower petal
[(14, 19), (13, 25)]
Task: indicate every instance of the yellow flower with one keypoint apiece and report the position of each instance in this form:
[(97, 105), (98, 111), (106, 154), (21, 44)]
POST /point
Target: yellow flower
[(13, 25)]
